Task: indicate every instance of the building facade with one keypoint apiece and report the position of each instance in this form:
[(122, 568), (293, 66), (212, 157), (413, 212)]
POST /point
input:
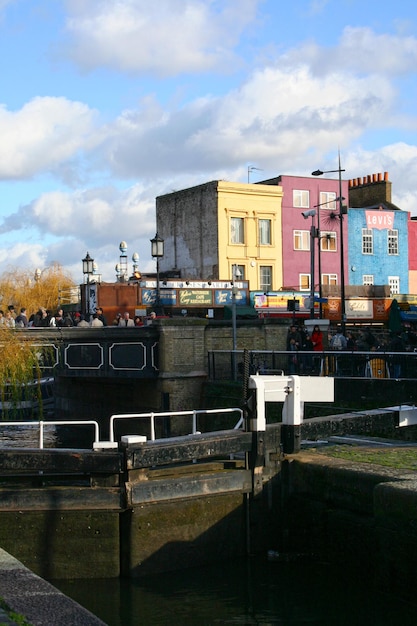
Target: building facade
[(302, 195), (223, 231), (378, 236)]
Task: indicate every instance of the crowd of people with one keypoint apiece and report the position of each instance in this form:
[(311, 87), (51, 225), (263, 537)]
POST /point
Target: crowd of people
[(300, 342), (60, 318)]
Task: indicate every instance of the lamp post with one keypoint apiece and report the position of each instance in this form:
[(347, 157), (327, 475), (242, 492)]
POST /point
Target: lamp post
[(123, 262), (236, 274), (342, 258), (88, 269), (313, 235), (157, 251)]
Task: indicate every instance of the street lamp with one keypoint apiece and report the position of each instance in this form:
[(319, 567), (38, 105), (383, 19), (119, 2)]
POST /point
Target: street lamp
[(313, 234), (157, 251), (88, 269), (123, 262), (236, 274), (342, 258)]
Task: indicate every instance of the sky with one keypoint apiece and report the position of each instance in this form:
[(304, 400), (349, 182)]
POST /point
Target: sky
[(107, 104)]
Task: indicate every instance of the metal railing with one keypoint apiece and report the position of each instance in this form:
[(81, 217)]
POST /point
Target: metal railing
[(152, 417), (398, 365), (41, 424)]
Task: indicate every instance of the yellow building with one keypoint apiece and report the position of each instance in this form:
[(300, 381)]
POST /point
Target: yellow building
[(214, 228)]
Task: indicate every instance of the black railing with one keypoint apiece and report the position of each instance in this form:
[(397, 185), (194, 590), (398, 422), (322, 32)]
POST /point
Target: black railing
[(398, 365)]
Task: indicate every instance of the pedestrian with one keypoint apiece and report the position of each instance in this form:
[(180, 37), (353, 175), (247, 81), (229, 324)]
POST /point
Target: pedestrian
[(21, 320)]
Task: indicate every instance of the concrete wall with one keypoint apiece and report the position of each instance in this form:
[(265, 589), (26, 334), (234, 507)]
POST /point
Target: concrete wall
[(358, 514)]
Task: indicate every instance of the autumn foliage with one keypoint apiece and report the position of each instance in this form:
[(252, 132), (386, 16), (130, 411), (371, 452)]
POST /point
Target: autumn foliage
[(51, 288)]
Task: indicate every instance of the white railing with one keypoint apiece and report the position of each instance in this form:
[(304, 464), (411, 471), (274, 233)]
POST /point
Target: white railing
[(41, 424), (152, 417)]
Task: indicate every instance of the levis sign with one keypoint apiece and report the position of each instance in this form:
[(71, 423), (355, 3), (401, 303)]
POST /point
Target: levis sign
[(379, 219)]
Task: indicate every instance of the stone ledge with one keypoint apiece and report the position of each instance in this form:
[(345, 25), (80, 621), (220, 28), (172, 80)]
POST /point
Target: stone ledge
[(40, 603)]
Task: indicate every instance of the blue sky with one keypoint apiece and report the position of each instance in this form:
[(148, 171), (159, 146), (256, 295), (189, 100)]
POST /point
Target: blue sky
[(106, 104)]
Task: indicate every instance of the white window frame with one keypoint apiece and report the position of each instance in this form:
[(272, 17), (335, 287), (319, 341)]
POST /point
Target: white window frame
[(264, 231), (264, 285), (304, 278), (237, 234), (367, 241), (327, 237), (392, 242), (301, 198), (394, 285), (328, 200), (329, 279), (303, 237), (368, 279)]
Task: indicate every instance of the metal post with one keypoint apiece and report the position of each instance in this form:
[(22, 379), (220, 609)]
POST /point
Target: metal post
[(342, 257), (312, 236)]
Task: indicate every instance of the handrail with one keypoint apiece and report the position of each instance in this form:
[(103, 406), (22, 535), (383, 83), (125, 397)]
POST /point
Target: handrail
[(56, 423), (152, 416)]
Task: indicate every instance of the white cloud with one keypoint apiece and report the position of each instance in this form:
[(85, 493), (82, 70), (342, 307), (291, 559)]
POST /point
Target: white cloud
[(362, 50), (275, 117), (43, 133), (165, 37)]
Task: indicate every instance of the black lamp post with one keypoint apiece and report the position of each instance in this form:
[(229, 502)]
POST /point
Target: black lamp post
[(157, 251), (313, 235), (88, 269), (342, 258)]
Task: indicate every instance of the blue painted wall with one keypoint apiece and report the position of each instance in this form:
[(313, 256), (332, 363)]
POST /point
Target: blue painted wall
[(380, 264)]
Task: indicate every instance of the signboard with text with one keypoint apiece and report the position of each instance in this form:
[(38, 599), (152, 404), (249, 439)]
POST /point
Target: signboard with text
[(224, 296), (196, 297)]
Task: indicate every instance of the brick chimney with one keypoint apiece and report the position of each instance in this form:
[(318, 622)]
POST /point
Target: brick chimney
[(372, 189)]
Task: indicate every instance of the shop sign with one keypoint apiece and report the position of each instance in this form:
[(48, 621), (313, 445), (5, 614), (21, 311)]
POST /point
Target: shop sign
[(223, 297), (166, 296), (379, 219), (196, 297)]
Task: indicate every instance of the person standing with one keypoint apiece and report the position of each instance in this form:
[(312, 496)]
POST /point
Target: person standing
[(101, 315), (126, 321), (317, 339), (22, 320), (96, 321)]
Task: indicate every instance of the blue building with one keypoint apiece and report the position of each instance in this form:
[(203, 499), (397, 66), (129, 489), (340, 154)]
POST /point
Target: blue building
[(377, 236)]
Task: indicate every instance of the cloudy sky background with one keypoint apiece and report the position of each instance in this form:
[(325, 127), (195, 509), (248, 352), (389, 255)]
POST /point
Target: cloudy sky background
[(106, 104)]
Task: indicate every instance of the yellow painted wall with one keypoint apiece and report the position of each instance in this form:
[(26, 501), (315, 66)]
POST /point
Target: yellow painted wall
[(251, 202)]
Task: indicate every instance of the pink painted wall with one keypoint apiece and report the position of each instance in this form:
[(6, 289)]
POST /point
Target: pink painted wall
[(296, 261)]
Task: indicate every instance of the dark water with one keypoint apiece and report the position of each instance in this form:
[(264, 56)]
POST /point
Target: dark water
[(256, 591)]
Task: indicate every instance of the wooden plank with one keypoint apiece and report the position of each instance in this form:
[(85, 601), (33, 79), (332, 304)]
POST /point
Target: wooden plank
[(201, 485), (59, 461), (183, 449), (60, 498)]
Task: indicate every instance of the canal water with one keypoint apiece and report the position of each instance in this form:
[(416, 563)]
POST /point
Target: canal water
[(254, 591)]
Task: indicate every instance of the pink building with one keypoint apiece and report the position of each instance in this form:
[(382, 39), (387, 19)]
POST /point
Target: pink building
[(302, 195), (412, 255)]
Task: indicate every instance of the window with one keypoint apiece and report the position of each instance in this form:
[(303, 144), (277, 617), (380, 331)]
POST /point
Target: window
[(328, 200), (304, 282), (328, 241), (301, 240), (329, 279), (237, 233), (265, 278), (368, 279), (394, 284), (393, 242), (264, 232), (301, 198), (367, 241)]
